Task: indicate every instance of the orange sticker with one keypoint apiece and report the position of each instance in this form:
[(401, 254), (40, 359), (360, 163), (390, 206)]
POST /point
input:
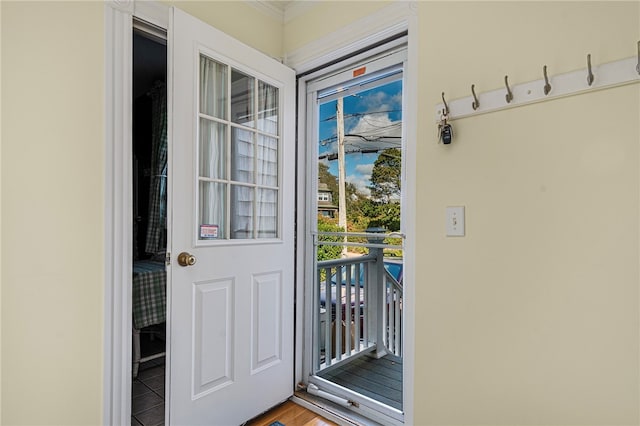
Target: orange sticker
[(359, 71)]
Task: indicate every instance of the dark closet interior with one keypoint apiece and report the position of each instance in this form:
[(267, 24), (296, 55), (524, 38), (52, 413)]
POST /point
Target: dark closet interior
[(149, 226), (149, 78)]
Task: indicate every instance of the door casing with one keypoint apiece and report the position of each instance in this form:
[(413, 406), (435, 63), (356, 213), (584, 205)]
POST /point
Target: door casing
[(391, 54), (118, 200), (382, 25)]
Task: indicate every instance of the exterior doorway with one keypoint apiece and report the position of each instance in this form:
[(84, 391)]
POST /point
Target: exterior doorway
[(355, 296)]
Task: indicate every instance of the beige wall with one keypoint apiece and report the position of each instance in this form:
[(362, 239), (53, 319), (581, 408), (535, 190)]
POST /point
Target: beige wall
[(533, 317), (52, 212), (0, 218), (323, 18), (248, 24)]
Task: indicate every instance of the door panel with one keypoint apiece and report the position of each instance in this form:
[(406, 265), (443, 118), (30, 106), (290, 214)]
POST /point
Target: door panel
[(213, 354), (232, 162), (267, 321)]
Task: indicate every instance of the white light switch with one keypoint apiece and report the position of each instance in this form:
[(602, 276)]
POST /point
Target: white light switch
[(455, 221)]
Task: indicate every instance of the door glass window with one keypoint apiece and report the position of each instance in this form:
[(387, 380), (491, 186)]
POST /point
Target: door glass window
[(238, 155), (213, 88), (213, 149), (242, 89), (267, 108)]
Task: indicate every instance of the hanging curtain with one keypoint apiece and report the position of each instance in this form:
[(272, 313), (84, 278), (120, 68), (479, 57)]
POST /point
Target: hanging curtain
[(267, 156), (213, 144), (157, 220)]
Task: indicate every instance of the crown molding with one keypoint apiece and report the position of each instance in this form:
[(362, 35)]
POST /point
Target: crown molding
[(124, 6), (291, 11), (267, 8), (296, 9)]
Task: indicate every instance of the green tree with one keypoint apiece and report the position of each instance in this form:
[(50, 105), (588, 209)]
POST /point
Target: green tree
[(375, 213), (389, 216), (385, 176), (353, 196), (327, 252)]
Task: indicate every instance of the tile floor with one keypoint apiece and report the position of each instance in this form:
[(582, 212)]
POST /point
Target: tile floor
[(147, 394)]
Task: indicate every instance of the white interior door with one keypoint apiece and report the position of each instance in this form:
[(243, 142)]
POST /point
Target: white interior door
[(232, 197)]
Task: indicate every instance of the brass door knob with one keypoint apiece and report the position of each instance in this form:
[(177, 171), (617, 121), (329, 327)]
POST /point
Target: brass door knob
[(186, 259)]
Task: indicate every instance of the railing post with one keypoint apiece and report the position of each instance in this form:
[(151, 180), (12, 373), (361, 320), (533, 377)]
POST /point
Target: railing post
[(376, 304)]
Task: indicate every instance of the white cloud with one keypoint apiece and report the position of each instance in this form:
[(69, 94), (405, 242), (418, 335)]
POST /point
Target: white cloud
[(375, 131), (371, 122), (365, 169), (378, 100), (361, 182)]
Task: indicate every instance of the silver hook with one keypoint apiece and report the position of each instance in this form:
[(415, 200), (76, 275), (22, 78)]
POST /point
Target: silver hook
[(590, 75), (547, 86), (446, 107), (638, 66), (509, 95), (476, 103)]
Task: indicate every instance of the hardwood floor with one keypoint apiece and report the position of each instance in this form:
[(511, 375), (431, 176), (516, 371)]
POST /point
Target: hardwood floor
[(290, 414)]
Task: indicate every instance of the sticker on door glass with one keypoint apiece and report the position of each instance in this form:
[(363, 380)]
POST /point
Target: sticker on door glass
[(208, 231)]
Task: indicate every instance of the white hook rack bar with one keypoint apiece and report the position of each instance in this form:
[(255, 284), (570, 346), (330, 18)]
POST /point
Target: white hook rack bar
[(612, 74)]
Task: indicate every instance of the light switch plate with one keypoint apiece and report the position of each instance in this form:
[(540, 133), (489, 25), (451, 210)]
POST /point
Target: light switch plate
[(455, 221)]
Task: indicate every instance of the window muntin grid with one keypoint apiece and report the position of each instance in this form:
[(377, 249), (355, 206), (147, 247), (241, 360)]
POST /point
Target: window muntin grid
[(238, 175)]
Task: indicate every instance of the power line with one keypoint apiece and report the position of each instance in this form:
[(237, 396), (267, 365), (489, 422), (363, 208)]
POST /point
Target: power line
[(360, 114), (372, 135), (330, 156)]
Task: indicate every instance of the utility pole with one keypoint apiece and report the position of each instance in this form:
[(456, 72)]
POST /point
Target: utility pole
[(342, 202)]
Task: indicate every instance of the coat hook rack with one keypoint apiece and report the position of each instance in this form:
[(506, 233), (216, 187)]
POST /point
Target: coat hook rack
[(612, 74), (638, 66), (476, 103), (509, 95), (590, 74), (547, 86), (445, 111)]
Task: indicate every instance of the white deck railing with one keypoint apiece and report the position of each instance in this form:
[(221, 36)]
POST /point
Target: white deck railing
[(345, 283), (358, 309), (392, 315)]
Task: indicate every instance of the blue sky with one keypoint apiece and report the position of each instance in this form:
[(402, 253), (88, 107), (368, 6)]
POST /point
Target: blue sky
[(376, 111)]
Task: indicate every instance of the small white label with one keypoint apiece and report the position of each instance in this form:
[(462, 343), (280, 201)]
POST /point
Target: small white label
[(455, 222), (208, 231)]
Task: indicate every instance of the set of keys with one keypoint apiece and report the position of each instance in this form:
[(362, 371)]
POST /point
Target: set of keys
[(445, 131)]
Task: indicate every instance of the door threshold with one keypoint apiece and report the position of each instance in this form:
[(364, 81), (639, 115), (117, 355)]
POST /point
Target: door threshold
[(331, 411)]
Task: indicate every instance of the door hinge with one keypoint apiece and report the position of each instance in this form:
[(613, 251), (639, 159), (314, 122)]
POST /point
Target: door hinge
[(167, 259)]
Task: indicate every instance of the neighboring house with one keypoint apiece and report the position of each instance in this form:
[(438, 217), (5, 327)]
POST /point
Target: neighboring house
[(530, 318), (326, 207)]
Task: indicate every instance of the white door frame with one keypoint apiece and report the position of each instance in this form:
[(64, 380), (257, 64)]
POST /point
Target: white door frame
[(118, 30), (361, 34)]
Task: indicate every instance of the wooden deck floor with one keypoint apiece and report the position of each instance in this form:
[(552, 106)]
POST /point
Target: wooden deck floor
[(379, 379)]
